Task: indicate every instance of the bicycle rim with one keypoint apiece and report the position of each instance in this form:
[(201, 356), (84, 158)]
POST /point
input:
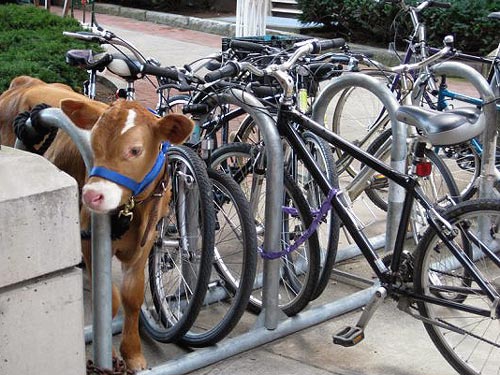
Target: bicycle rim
[(233, 270), (299, 270), (468, 341), (180, 261)]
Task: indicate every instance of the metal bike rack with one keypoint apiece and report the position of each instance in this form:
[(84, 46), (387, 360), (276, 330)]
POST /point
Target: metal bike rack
[(101, 244), (398, 151), (271, 325), (489, 174)]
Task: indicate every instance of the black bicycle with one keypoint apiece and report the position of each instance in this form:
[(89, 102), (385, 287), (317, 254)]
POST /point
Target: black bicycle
[(451, 282)]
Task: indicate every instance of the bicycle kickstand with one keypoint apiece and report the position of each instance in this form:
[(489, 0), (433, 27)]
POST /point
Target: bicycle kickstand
[(352, 335)]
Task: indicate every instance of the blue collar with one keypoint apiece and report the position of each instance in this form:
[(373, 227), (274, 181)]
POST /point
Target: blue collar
[(132, 185)]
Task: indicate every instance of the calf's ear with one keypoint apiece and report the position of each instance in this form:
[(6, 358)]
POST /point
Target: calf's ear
[(174, 128), (84, 114)]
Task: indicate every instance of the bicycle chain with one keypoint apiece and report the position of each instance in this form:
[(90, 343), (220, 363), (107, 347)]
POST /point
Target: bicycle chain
[(119, 368)]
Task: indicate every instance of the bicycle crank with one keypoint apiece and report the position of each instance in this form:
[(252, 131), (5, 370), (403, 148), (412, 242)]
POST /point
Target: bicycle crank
[(352, 335)]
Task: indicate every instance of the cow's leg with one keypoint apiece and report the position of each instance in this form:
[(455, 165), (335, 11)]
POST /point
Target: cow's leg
[(132, 293)]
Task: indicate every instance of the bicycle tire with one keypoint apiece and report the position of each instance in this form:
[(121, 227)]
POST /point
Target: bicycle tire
[(234, 265), (247, 132), (359, 126), (237, 160), (477, 340), (176, 103), (329, 230), (445, 180), (180, 263)]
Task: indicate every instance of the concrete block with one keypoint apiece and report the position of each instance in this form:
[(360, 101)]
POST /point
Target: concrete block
[(211, 26), (41, 326), (173, 20), (112, 9), (39, 220), (136, 14)]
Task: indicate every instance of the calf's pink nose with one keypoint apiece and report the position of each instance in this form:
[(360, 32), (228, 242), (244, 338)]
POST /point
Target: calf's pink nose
[(92, 198)]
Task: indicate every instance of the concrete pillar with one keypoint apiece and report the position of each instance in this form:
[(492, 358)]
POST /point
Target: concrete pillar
[(41, 294), (251, 17)]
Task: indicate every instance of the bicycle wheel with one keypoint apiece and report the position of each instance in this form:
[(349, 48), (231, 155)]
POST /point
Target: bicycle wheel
[(247, 132), (328, 231), (470, 342), (234, 265), (300, 268), (180, 262), (359, 117), (464, 162), (176, 103), (437, 186)]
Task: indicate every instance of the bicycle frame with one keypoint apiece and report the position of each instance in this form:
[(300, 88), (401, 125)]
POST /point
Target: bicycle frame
[(287, 115)]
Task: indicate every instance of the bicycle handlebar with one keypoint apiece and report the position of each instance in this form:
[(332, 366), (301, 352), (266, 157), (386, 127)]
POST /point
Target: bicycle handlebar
[(309, 46), (247, 46), (432, 4), (445, 51), (160, 71), (229, 70), (86, 36), (103, 36), (439, 4)]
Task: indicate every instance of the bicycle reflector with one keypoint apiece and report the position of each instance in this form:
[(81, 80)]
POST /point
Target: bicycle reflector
[(423, 168)]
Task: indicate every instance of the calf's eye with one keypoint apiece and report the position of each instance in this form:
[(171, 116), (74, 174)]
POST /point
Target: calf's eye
[(134, 152)]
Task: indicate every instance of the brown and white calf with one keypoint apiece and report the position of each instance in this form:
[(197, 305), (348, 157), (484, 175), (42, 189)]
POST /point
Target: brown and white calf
[(126, 139)]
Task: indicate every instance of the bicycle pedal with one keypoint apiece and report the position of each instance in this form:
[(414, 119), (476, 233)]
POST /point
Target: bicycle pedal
[(349, 336), (379, 181)]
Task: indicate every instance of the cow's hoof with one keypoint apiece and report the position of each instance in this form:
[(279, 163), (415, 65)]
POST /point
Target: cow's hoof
[(137, 363)]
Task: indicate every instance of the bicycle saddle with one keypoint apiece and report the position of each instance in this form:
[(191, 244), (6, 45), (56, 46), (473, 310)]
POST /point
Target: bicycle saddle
[(443, 128), (494, 15), (86, 59), (125, 66)]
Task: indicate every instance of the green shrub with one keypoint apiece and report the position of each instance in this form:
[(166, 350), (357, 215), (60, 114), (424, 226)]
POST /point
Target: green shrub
[(31, 43), (382, 22)]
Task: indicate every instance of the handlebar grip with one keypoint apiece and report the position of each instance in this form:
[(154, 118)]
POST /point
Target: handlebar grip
[(158, 71), (228, 70), (439, 4), (247, 46), (84, 35), (323, 45)]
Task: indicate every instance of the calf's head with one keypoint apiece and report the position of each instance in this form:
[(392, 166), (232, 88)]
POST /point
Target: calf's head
[(126, 140)]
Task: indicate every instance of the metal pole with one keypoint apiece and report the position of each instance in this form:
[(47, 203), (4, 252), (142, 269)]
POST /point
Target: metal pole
[(489, 136), (101, 290), (398, 152), (260, 336), (101, 247), (489, 174), (274, 196)]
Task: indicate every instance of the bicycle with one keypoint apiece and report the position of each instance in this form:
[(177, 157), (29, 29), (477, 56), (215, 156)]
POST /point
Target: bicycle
[(463, 160), (467, 157), (180, 279), (438, 187), (455, 270)]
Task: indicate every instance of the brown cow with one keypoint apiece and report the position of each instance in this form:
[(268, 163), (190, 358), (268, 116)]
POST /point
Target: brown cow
[(125, 138)]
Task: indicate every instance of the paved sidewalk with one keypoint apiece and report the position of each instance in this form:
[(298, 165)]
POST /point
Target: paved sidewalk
[(395, 343)]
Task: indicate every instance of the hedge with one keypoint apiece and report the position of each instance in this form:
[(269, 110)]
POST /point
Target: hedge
[(31, 43), (382, 22)]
